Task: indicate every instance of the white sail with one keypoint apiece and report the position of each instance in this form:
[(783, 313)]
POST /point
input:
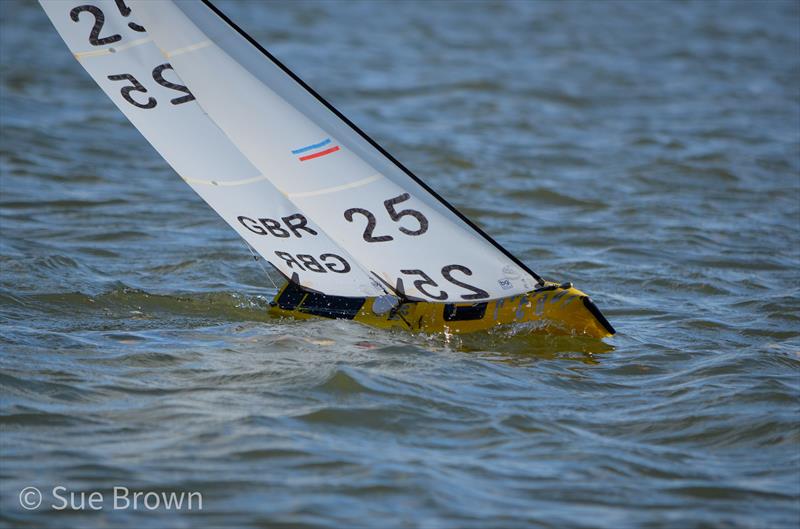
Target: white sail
[(256, 143), (109, 41)]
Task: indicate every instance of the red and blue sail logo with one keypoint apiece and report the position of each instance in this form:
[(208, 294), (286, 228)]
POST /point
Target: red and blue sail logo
[(317, 150)]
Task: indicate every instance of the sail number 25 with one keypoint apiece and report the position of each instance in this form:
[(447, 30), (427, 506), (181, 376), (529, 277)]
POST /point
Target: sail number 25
[(158, 77), (99, 21), (428, 286), (397, 216), (135, 86), (447, 271), (422, 282)]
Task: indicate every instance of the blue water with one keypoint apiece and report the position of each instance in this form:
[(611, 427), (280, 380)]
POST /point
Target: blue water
[(649, 152)]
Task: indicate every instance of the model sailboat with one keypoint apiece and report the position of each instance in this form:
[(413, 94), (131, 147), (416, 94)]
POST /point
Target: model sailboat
[(355, 233)]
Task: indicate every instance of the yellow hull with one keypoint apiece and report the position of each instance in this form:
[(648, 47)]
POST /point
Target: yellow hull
[(560, 309)]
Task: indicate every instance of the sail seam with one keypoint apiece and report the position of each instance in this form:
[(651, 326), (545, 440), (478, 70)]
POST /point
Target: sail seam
[(225, 184), (336, 189), (112, 49), (187, 49)]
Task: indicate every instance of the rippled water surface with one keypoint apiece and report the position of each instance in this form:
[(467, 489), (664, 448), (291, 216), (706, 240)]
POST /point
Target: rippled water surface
[(649, 152)]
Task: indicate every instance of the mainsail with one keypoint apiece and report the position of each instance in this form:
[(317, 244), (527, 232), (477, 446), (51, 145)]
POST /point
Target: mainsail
[(308, 190)]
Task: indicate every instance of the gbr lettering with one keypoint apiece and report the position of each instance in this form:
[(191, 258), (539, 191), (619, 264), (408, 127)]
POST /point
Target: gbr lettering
[(306, 262), (296, 225)]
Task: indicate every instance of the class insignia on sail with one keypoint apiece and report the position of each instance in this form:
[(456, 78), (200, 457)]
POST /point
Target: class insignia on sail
[(354, 232)]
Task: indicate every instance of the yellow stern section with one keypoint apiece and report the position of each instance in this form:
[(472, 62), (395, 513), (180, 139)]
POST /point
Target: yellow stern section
[(556, 309)]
